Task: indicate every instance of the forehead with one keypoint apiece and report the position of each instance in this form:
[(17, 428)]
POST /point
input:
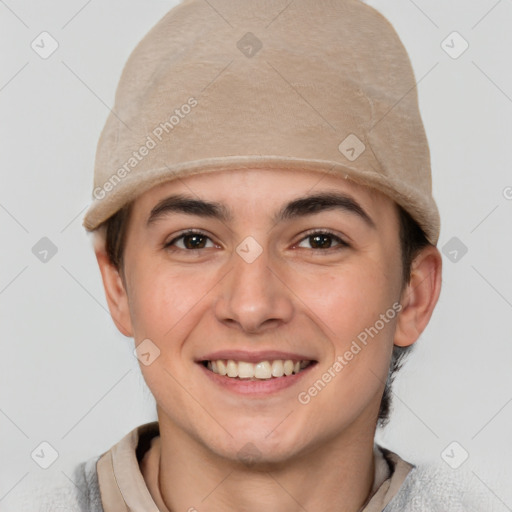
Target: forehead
[(267, 189)]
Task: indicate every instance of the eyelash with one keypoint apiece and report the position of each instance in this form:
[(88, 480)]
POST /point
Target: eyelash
[(341, 243)]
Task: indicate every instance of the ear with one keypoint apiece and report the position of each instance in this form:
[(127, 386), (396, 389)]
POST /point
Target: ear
[(115, 292), (419, 297)]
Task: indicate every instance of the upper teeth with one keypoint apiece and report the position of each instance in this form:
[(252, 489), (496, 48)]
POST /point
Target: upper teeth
[(261, 370)]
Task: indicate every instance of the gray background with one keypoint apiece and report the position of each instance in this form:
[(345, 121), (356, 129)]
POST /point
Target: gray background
[(70, 379)]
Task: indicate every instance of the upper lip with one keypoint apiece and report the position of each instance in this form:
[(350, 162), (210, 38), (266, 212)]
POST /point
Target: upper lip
[(251, 356)]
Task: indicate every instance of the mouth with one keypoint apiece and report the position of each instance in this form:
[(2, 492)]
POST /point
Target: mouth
[(268, 369)]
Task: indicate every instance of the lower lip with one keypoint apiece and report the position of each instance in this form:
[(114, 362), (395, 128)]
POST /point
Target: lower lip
[(256, 387)]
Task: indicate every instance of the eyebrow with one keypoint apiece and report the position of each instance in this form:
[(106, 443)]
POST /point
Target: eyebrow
[(296, 208)]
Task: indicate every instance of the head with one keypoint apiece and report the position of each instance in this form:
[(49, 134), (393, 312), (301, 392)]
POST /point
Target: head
[(292, 299), (304, 168)]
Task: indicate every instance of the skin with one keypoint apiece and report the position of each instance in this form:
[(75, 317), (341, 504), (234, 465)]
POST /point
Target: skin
[(295, 297)]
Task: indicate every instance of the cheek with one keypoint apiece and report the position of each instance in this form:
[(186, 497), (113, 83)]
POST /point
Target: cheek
[(348, 299), (358, 309), (164, 306), (165, 301)]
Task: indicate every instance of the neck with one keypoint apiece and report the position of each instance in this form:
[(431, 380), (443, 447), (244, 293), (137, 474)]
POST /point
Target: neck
[(186, 476)]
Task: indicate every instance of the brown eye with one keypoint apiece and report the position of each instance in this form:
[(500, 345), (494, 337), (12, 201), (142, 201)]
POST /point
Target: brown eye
[(189, 241), (324, 240)]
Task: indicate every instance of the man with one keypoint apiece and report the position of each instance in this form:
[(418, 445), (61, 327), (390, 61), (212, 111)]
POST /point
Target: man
[(266, 232)]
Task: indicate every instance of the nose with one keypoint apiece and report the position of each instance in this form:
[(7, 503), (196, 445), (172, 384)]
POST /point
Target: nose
[(254, 297)]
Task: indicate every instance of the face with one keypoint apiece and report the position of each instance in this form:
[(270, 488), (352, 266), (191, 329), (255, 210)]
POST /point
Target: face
[(296, 298)]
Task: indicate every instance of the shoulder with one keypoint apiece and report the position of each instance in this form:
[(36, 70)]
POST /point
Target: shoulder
[(438, 488), (76, 493)]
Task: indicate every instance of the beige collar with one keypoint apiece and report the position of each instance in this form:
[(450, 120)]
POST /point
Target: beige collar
[(123, 488)]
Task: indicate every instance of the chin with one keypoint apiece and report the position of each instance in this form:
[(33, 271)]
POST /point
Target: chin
[(259, 445), (257, 455)]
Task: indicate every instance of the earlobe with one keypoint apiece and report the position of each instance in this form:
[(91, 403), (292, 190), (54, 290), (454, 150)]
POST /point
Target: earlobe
[(115, 293), (419, 297)]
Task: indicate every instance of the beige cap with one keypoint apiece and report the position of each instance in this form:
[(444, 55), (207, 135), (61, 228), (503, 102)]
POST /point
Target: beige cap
[(321, 85)]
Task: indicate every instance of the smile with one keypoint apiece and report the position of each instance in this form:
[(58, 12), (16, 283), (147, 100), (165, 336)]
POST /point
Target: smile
[(262, 370)]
